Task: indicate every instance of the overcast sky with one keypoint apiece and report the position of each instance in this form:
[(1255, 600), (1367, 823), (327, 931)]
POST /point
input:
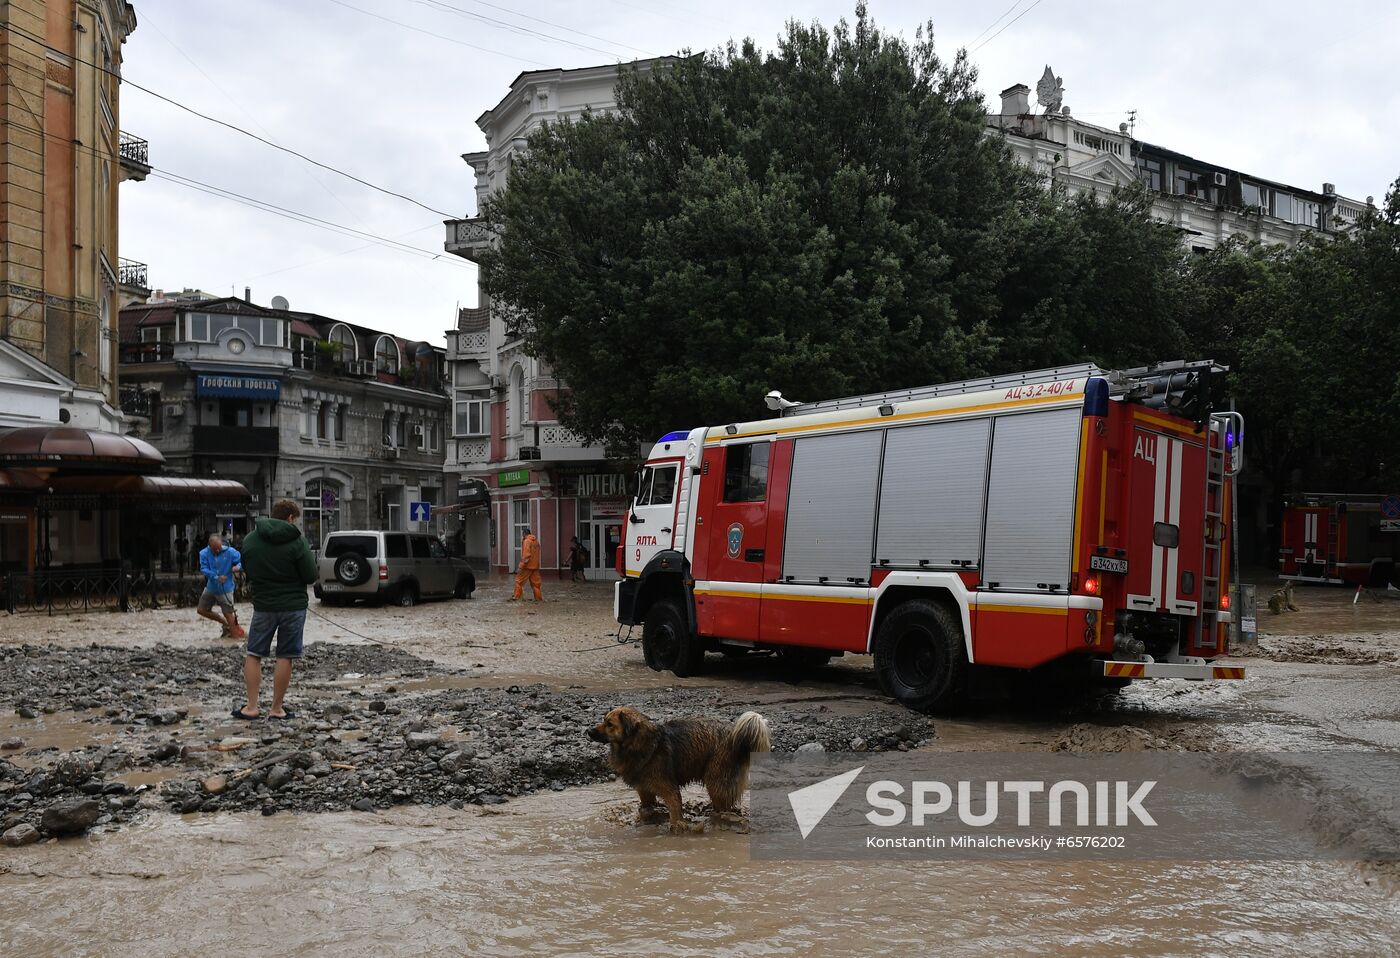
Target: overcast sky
[(1290, 91)]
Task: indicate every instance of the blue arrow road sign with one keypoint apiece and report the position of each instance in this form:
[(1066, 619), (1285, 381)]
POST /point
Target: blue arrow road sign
[(420, 511)]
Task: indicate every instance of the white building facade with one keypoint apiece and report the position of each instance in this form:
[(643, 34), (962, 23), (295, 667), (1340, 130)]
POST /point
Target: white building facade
[(504, 428), (1207, 202)]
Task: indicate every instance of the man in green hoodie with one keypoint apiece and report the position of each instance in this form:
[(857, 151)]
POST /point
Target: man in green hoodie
[(279, 566)]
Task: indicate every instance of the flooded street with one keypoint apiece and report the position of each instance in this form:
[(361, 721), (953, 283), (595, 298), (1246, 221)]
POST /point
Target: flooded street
[(569, 874), (566, 871)]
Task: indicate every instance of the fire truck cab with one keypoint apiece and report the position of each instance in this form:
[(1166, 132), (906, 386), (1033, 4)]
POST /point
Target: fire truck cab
[(1062, 515)]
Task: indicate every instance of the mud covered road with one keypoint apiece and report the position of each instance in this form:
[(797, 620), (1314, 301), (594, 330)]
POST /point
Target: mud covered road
[(436, 795)]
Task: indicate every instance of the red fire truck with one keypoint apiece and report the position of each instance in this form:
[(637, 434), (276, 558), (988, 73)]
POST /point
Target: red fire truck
[(1340, 539), (1017, 521)]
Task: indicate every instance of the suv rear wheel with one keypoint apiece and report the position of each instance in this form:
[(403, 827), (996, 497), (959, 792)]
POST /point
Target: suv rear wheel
[(352, 569), (406, 595)]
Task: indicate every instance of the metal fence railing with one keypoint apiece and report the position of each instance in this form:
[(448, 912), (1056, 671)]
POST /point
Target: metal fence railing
[(101, 590)]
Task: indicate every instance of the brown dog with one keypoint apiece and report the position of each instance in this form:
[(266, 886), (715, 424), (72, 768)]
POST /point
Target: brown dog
[(659, 758)]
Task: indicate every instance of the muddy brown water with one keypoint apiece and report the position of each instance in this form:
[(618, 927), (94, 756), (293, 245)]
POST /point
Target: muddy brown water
[(569, 874)]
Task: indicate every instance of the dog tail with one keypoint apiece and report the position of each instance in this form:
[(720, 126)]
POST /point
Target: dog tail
[(747, 735)]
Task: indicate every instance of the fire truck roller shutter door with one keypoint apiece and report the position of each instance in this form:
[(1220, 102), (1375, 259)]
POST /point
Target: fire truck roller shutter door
[(1030, 500), (932, 494), (831, 508)]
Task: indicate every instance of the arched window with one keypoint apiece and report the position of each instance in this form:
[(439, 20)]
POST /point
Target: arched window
[(320, 510), (341, 335), (386, 355), (516, 406)]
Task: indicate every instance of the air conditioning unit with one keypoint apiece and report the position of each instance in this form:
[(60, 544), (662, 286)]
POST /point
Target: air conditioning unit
[(1221, 179), (417, 431), (529, 453), (173, 409)]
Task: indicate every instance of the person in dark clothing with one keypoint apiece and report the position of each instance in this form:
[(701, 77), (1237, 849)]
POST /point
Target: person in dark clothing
[(279, 566), (578, 560)]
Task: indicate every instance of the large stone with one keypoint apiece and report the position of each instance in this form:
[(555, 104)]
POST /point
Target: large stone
[(215, 784), (452, 762), (10, 745), (811, 747), (72, 817), (72, 769), (21, 834), (422, 739), (279, 776)]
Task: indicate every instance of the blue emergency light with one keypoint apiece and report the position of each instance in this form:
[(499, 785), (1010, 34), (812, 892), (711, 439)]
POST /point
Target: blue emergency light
[(675, 436)]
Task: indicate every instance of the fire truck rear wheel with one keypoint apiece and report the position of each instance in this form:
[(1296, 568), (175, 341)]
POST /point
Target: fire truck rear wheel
[(667, 643), (919, 656)]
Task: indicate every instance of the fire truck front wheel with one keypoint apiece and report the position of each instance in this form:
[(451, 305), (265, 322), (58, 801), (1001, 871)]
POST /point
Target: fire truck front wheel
[(919, 656), (667, 643)]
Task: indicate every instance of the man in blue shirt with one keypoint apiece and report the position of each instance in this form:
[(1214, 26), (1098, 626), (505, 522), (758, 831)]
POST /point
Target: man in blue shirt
[(218, 563)]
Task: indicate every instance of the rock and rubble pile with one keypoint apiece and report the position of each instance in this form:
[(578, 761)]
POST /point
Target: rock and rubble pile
[(163, 736)]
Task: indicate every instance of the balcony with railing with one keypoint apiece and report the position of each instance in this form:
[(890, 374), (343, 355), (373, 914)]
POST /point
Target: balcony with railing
[(133, 275), (472, 340), (136, 353), (467, 238), (135, 154)]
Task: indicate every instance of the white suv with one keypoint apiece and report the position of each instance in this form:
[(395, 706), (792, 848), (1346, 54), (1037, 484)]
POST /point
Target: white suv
[(398, 567)]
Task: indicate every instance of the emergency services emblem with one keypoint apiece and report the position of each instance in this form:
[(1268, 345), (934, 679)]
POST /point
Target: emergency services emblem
[(735, 539)]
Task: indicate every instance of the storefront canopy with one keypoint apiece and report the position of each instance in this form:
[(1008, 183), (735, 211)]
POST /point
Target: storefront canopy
[(166, 488), (62, 447)]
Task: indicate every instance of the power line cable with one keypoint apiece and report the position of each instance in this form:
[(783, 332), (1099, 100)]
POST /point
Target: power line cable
[(532, 245), (299, 216), (266, 206), (551, 23), (344, 252), (237, 129), (511, 27), (995, 22), (440, 36), (1008, 26), (148, 21)]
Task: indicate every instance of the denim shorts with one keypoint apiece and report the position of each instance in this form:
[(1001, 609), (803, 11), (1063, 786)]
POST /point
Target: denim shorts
[(287, 626)]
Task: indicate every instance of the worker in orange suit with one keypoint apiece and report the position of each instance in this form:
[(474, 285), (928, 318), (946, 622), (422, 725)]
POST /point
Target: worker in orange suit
[(529, 567)]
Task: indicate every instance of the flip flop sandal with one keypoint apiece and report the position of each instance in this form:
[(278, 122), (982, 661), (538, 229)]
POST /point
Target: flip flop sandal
[(238, 714), (286, 714)]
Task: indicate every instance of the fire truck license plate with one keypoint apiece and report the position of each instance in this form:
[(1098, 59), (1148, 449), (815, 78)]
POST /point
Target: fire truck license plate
[(1108, 564)]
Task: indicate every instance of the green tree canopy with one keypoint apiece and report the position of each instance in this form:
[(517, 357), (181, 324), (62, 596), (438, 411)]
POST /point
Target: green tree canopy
[(825, 219), (1313, 337)]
